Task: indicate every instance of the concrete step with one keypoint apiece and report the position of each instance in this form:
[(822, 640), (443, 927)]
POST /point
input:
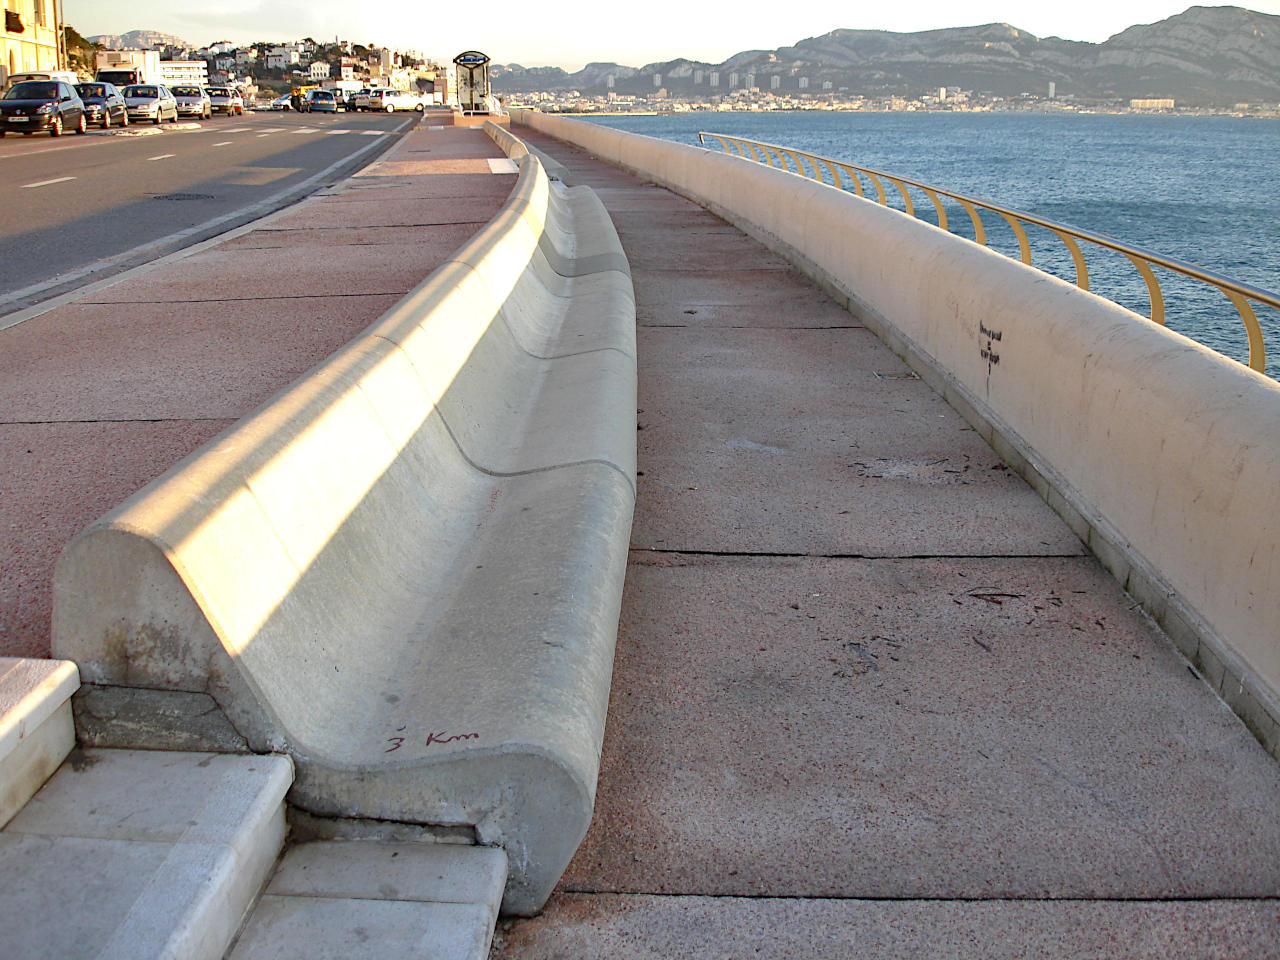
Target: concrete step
[(138, 854), (358, 899), (36, 728)]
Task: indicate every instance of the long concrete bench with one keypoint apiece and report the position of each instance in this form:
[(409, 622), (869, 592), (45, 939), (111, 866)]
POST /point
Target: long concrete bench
[(406, 570), (1162, 455)]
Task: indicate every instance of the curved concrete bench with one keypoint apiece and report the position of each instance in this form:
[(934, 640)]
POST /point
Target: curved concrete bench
[(406, 570), (1162, 455)]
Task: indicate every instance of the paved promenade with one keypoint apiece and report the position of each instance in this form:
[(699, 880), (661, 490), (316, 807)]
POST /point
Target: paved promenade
[(106, 391), (871, 697)]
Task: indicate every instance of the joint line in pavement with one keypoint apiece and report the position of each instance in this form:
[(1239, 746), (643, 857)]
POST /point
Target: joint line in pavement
[(788, 555)]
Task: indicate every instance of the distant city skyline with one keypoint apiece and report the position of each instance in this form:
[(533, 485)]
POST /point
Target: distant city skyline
[(572, 33)]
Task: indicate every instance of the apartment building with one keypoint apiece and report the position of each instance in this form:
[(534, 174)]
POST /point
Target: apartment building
[(31, 39)]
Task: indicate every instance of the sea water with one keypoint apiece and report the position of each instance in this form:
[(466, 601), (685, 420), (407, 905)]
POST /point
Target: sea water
[(1200, 189)]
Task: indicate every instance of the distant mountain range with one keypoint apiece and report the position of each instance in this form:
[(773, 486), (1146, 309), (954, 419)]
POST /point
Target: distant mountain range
[(1207, 55), (138, 40)]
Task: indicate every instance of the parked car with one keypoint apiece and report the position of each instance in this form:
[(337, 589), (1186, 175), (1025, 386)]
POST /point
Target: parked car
[(103, 104), (66, 76), (393, 100), (226, 100), (150, 101), (372, 99), (319, 101), (33, 105), (193, 101), (281, 103)]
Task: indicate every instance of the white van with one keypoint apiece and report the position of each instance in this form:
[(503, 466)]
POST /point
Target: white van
[(66, 76)]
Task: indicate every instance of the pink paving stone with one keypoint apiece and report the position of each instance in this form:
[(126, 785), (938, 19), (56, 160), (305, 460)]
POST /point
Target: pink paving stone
[(732, 298), (83, 362), (56, 479), (400, 212), (226, 274), (451, 142), (773, 290), (719, 248), (970, 728), (805, 440), (439, 241), (717, 928), (409, 168), (439, 187)]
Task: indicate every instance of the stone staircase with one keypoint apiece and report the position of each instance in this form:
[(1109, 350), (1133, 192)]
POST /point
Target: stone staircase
[(138, 854)]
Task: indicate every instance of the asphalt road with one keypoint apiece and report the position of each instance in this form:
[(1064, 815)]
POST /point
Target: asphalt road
[(81, 208)]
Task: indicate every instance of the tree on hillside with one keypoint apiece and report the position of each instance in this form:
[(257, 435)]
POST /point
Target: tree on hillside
[(79, 50)]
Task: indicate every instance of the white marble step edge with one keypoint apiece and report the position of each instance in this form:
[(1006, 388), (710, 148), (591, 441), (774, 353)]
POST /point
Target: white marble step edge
[(36, 728), (378, 900), (147, 854)]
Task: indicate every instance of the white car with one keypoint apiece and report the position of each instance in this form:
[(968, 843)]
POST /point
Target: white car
[(226, 100), (281, 103), (150, 101), (393, 100), (193, 101)]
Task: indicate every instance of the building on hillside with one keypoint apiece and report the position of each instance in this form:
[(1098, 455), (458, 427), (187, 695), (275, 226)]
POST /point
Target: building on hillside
[(320, 70), (1161, 103), (31, 38), (279, 58), (185, 71)]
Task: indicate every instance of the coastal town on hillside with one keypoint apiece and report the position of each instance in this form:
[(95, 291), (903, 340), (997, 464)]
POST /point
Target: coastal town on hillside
[(266, 69), (943, 99)]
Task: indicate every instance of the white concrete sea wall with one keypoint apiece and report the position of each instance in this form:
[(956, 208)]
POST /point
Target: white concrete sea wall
[(406, 570), (1163, 455)]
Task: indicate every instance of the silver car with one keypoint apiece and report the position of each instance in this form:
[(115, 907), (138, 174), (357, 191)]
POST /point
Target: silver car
[(150, 101), (193, 101), (226, 100)]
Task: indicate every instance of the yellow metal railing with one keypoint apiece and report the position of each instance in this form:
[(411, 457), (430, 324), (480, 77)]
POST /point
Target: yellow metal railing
[(1242, 295)]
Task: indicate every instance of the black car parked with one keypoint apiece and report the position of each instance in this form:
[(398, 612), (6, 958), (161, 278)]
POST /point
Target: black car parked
[(41, 105), (103, 104)]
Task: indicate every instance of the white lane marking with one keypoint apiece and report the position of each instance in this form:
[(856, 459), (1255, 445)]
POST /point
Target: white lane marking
[(306, 130), (503, 165), (237, 130), (272, 129), (261, 135), (374, 133), (45, 183), (112, 263), (223, 143), (163, 156)]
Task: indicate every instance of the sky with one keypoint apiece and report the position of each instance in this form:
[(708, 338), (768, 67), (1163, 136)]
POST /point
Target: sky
[(571, 33)]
